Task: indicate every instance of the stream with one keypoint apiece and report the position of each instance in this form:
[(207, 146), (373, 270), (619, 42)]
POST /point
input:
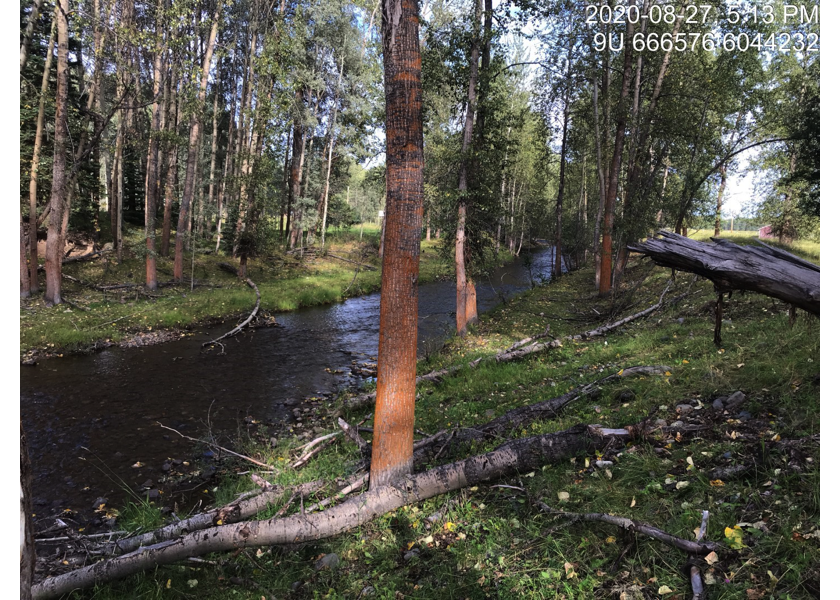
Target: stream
[(91, 421)]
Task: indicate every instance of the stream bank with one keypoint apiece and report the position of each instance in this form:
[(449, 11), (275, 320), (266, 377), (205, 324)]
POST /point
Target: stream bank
[(92, 420)]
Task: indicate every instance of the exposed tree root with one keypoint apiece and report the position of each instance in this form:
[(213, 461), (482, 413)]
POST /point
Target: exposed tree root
[(515, 456), (244, 323)]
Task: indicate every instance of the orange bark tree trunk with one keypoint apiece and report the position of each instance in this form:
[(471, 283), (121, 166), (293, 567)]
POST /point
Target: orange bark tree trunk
[(605, 283), (393, 431)]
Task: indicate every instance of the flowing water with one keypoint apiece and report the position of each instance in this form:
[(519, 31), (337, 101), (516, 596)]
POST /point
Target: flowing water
[(92, 421)]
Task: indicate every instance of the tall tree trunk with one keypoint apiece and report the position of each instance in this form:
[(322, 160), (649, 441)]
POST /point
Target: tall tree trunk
[(115, 193), (615, 168), (27, 541), (152, 179), (171, 187), (296, 173), (223, 193), (329, 155), (192, 152), (462, 289), (214, 147), (33, 172), (27, 33), (561, 188), (24, 270), (55, 239), (393, 432)]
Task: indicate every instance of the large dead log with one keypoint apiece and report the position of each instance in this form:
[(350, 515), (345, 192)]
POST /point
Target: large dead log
[(519, 455), (763, 269), (522, 416)]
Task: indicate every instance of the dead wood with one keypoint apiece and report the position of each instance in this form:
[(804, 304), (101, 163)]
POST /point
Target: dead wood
[(522, 348), (511, 457), (222, 448), (362, 265), (228, 268), (352, 433), (763, 269), (633, 526), (244, 323), (244, 507), (520, 417)]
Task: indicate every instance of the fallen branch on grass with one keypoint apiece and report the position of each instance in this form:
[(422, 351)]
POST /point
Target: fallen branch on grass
[(244, 507), (695, 548), (244, 323), (359, 264), (524, 348), (520, 417), (511, 457), (217, 447)]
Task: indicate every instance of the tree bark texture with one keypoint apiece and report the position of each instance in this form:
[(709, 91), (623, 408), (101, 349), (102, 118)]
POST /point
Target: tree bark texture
[(192, 152), (763, 269), (55, 237), (393, 431)]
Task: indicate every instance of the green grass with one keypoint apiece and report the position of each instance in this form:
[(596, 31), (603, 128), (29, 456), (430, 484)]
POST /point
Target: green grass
[(285, 281), (492, 542), (807, 249)]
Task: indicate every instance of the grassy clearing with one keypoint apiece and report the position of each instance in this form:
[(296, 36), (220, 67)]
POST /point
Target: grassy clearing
[(493, 542), (286, 282), (807, 249)]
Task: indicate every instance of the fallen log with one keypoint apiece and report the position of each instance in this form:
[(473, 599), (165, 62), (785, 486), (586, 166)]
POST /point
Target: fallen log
[(425, 450), (696, 548), (359, 264), (240, 509), (511, 457), (523, 348), (763, 269), (244, 323), (520, 417)]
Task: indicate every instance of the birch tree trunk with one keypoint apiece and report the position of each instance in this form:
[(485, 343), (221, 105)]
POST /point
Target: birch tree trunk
[(192, 152), (33, 173), (462, 284), (55, 239), (152, 179)]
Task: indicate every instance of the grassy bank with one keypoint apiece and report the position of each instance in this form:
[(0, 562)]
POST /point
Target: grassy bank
[(286, 282), (495, 542)]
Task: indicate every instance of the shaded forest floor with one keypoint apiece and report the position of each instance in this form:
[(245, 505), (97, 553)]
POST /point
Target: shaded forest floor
[(754, 466), (95, 318)]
